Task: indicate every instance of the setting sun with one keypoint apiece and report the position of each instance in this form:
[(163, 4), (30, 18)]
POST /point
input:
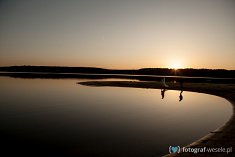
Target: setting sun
[(175, 65)]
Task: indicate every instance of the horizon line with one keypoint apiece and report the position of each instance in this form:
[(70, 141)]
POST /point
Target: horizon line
[(116, 68)]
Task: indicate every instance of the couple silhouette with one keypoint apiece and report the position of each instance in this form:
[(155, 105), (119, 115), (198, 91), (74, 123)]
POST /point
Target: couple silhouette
[(163, 90)]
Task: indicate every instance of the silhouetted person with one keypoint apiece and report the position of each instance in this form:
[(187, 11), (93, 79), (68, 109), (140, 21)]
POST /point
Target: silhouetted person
[(163, 81), (163, 93), (181, 96), (181, 85)]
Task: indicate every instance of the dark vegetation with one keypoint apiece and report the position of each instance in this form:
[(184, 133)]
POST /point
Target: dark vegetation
[(147, 74), (220, 73)]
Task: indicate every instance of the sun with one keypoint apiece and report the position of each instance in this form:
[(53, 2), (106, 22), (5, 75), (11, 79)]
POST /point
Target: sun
[(175, 65)]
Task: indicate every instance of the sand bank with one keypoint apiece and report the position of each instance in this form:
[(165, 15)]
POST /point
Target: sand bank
[(222, 137)]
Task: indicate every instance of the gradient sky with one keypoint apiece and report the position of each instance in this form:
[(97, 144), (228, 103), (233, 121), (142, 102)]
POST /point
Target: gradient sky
[(120, 34)]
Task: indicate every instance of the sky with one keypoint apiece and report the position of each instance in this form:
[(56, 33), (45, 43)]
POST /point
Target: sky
[(118, 34)]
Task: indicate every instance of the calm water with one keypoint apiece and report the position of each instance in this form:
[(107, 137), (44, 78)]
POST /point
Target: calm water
[(59, 117)]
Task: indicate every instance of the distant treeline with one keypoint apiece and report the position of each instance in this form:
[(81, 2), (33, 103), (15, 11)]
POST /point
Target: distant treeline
[(222, 73)]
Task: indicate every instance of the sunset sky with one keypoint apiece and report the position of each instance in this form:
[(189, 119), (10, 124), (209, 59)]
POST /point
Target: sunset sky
[(119, 34)]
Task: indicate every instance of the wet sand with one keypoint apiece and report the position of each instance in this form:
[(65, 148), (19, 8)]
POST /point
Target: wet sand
[(222, 137)]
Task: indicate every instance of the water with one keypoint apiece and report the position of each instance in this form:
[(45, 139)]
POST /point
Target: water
[(57, 117)]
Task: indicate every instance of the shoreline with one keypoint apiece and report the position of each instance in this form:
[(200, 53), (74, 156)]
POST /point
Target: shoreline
[(224, 136), (95, 76)]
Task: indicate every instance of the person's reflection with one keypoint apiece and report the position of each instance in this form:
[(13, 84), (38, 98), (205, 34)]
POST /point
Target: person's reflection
[(181, 89), (181, 96), (163, 93), (181, 85)]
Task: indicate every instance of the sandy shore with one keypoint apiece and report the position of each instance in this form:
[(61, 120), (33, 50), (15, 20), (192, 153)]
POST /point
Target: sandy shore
[(222, 137)]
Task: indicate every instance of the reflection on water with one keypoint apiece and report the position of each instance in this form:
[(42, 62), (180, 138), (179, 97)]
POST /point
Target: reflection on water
[(62, 118), (163, 93), (181, 96), (163, 90)]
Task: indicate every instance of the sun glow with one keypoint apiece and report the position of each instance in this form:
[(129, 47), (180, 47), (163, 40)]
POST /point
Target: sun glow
[(175, 65)]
